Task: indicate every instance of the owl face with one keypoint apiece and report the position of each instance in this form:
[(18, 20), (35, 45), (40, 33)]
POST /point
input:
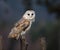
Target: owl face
[(30, 15)]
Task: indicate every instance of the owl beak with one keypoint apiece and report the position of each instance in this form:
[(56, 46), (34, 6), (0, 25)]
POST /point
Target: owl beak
[(31, 16), (33, 20)]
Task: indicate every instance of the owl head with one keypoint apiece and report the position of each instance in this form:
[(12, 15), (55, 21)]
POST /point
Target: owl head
[(29, 15)]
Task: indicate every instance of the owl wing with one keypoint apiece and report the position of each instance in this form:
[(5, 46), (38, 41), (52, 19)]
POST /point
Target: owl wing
[(20, 26)]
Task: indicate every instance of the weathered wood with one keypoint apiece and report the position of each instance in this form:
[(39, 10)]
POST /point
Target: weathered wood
[(43, 44), (24, 44)]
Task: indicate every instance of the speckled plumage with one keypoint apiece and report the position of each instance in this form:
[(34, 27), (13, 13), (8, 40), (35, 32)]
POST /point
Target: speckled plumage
[(23, 25)]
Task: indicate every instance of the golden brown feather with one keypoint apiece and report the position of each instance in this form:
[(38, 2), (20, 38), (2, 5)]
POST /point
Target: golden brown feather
[(18, 28)]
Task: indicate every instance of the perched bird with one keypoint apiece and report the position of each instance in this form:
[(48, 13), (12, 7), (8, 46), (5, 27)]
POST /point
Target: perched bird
[(23, 25)]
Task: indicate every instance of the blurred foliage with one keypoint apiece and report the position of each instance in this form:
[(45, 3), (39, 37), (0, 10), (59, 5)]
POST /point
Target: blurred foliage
[(42, 31)]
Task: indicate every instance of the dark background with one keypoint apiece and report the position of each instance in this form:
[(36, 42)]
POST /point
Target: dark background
[(47, 23)]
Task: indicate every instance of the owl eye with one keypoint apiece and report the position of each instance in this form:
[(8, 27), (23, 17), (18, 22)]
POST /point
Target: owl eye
[(28, 14), (32, 14)]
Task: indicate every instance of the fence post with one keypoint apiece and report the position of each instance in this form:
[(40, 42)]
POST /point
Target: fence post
[(24, 44), (43, 43)]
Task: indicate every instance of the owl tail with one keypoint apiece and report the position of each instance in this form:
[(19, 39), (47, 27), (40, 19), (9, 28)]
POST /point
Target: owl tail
[(15, 35), (18, 36), (21, 35)]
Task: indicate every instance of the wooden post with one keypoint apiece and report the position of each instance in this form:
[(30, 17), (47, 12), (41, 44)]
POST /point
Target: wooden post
[(24, 44), (43, 43), (0, 42)]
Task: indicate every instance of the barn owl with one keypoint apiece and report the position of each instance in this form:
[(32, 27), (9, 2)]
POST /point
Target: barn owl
[(23, 25)]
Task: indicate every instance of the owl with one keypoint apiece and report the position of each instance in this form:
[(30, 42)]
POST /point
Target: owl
[(23, 25)]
